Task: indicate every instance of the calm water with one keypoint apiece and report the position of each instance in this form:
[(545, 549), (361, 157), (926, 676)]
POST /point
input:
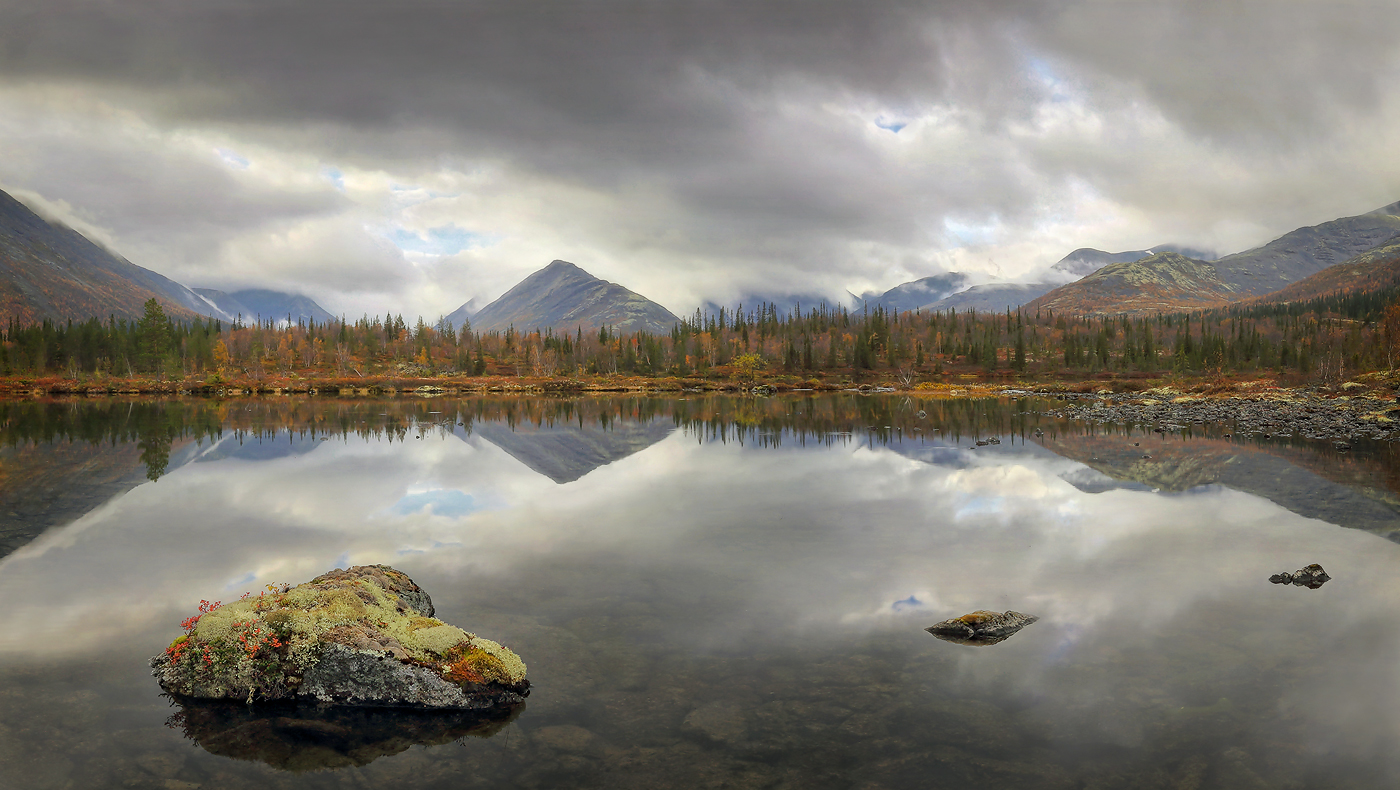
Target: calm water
[(714, 592)]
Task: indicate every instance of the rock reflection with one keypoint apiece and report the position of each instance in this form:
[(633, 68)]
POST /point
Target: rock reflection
[(299, 737)]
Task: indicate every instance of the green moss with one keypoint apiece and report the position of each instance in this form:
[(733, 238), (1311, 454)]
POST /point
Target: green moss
[(511, 665)]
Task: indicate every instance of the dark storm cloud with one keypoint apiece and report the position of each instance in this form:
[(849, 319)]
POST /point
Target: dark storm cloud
[(741, 138), (601, 92)]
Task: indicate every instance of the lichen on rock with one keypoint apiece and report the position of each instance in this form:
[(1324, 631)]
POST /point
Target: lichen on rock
[(361, 636)]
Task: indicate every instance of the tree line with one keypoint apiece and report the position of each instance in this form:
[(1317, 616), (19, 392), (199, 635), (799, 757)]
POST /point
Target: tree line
[(1330, 336)]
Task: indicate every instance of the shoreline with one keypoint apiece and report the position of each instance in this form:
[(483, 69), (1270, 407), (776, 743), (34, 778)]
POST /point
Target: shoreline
[(1367, 407), (1382, 384)]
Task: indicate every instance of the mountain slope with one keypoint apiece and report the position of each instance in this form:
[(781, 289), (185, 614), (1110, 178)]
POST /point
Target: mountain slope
[(1373, 270), (786, 301), (563, 296), (991, 297), (49, 271), (1169, 281), (255, 304), (917, 293), (1307, 251), (463, 314), (1166, 281), (1087, 260)]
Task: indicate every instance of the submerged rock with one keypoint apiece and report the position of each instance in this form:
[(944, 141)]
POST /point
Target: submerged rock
[(981, 627), (1312, 577), (299, 737), (363, 636)]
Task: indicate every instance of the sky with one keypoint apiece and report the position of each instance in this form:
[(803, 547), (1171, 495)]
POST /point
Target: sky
[(410, 156)]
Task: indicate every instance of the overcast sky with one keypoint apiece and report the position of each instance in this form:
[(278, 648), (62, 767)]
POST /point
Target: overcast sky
[(408, 156)]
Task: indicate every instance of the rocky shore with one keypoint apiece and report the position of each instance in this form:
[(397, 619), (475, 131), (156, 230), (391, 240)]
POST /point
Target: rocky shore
[(1283, 414)]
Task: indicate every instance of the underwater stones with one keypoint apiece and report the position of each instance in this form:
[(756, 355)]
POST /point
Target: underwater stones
[(1311, 576), (981, 628), (722, 722), (361, 637)]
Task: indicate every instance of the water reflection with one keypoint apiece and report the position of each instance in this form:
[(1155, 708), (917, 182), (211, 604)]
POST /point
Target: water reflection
[(301, 738), (565, 439), (743, 599)]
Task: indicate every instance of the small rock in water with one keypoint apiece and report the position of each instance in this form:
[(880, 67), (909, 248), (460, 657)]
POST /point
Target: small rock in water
[(364, 636), (981, 627), (1312, 577)]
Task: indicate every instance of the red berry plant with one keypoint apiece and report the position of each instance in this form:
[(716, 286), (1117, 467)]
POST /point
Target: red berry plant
[(242, 653)]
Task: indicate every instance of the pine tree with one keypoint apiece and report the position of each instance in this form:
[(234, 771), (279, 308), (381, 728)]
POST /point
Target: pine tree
[(154, 330)]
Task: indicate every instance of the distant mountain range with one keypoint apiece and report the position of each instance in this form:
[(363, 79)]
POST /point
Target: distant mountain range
[(563, 296), (257, 304), (916, 293), (1170, 281), (991, 297), (51, 271)]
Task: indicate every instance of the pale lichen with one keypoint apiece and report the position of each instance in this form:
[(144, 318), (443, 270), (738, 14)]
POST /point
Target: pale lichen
[(438, 639)]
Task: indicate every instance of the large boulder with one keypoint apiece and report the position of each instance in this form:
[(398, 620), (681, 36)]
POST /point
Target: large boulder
[(363, 636), (981, 628)]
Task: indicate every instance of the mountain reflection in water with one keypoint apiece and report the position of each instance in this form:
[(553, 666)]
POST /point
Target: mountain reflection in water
[(715, 591)]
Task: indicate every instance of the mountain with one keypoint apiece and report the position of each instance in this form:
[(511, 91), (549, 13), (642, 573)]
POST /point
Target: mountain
[(1373, 270), (1166, 281), (259, 304), (50, 271), (1307, 251), (996, 297), (991, 297), (785, 301), (563, 296), (1171, 281), (917, 293), (1087, 260), (464, 313)]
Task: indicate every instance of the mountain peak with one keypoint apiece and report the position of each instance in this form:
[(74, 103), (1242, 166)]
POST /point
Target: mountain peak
[(564, 296)]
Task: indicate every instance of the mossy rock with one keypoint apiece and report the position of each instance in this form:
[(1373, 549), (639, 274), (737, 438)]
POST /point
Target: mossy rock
[(362, 636), (981, 628)]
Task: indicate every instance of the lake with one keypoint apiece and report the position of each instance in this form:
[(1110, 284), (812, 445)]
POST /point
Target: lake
[(714, 592)]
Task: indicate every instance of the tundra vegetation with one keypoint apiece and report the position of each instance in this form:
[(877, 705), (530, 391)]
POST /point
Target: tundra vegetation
[(267, 647)]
